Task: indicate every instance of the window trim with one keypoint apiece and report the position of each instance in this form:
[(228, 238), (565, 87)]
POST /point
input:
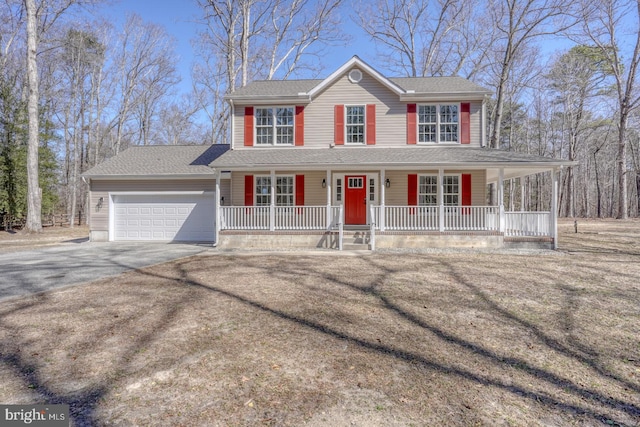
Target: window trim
[(441, 186), (364, 124), (275, 186), (438, 124), (274, 126)]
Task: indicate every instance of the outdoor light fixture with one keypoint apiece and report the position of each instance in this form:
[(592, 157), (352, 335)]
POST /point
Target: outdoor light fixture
[(324, 183), (222, 200), (387, 183), (100, 200)]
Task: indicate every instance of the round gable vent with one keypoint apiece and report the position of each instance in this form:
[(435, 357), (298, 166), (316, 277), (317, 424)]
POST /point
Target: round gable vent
[(355, 76)]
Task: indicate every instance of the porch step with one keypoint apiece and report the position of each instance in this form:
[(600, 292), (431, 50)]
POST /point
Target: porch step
[(358, 241), (355, 247)]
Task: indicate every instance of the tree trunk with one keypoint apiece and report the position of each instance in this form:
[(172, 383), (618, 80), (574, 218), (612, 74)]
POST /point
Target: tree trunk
[(623, 202), (34, 192)]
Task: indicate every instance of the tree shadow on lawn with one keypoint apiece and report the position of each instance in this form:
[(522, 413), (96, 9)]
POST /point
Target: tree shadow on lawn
[(83, 404), (15, 354), (551, 378)]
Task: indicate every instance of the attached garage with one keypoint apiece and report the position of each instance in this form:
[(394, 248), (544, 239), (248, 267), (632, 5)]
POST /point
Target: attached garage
[(161, 193), (164, 217)]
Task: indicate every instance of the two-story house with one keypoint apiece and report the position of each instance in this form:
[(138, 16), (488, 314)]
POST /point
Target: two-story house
[(355, 158)]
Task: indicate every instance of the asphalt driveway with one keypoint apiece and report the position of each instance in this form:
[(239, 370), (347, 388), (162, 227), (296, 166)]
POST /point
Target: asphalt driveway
[(26, 272)]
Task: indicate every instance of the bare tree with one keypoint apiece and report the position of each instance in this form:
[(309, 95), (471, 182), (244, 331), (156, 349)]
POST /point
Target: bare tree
[(144, 66), (518, 22), (603, 25), (576, 78)]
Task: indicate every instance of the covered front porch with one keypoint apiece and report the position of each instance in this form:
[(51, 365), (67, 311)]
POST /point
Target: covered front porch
[(377, 204)]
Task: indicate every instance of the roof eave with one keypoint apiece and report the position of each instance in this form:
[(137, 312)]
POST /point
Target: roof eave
[(396, 165), (121, 177), (268, 99), (445, 96)]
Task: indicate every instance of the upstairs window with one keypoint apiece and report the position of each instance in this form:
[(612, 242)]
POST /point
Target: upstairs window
[(438, 123), (274, 126), (355, 124)]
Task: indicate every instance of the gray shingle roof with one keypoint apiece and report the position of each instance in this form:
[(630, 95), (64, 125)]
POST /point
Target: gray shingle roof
[(261, 88), (154, 160), (378, 157), (438, 84), (420, 85)]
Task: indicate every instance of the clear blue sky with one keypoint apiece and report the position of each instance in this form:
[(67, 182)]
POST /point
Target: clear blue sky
[(179, 18)]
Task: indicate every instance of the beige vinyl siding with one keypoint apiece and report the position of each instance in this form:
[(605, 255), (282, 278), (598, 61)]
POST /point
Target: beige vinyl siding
[(99, 217), (314, 194), (397, 194), (391, 114)]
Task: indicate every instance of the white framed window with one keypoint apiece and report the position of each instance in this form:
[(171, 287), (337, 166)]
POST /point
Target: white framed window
[(451, 190), (263, 190), (428, 190), (284, 190), (274, 125), (438, 123), (339, 189), (355, 124)]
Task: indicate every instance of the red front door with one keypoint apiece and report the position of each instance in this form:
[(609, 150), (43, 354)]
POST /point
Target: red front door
[(355, 200)]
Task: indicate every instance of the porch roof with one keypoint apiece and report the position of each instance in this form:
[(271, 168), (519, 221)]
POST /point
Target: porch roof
[(350, 158)]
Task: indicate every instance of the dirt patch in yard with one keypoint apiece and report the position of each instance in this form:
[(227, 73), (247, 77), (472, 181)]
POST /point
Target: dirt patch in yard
[(325, 339)]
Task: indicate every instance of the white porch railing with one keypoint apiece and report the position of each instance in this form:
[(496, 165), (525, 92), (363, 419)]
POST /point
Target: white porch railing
[(427, 218), (471, 218), (244, 217), (528, 224), (391, 218), (300, 217), (283, 218)]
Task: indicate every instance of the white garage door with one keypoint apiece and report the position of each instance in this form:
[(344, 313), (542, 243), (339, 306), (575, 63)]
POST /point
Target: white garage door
[(178, 217)]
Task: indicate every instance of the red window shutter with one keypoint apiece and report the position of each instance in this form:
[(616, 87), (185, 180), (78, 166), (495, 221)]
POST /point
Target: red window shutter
[(412, 196), (339, 124), (248, 126), (299, 125), (465, 123), (371, 124), (299, 190), (466, 189), (412, 126), (248, 190)]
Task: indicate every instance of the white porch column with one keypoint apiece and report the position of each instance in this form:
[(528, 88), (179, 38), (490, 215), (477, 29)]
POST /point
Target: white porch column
[(329, 198), (522, 188), (440, 199), (501, 225), (218, 214), (554, 207), (383, 196), (272, 205)]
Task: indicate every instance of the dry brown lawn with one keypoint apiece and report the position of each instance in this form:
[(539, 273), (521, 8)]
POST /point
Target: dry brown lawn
[(331, 339), (20, 240)]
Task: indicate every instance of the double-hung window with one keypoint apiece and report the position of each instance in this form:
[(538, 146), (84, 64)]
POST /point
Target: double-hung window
[(355, 124), (438, 123), (274, 126), (428, 190), (284, 191)]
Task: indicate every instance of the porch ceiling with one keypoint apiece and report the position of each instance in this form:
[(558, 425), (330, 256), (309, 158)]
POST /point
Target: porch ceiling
[(515, 164)]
